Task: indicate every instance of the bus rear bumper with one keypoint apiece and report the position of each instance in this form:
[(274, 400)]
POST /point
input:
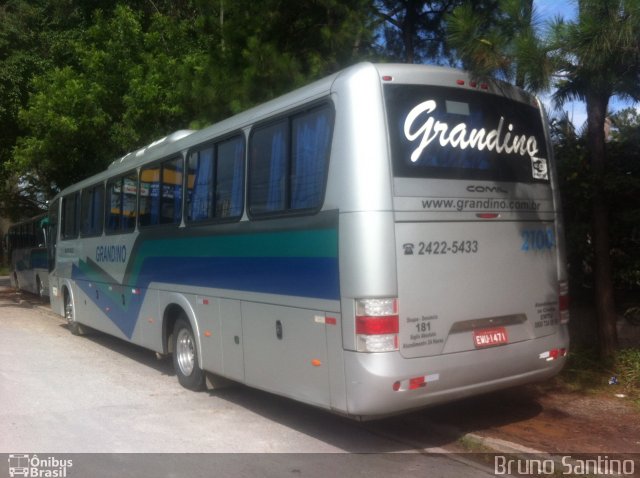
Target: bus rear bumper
[(386, 383)]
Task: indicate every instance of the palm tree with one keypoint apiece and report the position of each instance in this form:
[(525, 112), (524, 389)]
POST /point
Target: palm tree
[(598, 57), (500, 40)]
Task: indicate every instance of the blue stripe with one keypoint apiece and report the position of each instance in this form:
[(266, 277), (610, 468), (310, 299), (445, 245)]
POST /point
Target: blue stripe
[(313, 277)]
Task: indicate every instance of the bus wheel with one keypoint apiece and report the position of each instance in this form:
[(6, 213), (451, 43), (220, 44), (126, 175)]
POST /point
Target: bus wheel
[(185, 356), (39, 287), (69, 313)]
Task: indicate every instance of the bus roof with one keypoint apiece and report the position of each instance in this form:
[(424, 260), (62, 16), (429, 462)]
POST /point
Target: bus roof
[(184, 139)]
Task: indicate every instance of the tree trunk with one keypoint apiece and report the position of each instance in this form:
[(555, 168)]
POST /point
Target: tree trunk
[(605, 304), (409, 28)]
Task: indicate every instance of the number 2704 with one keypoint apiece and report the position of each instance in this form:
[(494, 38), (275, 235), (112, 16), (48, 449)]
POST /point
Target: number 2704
[(538, 239)]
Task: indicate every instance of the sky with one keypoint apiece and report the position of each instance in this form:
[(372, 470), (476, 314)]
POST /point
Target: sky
[(548, 10)]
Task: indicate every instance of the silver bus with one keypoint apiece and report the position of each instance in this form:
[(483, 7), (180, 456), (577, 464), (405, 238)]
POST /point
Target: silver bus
[(26, 245), (381, 240)]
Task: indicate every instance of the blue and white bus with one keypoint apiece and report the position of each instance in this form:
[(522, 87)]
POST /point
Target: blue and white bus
[(27, 252), (378, 241)]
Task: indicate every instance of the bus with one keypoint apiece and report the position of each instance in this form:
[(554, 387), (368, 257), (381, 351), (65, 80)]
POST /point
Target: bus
[(380, 240), (27, 252)]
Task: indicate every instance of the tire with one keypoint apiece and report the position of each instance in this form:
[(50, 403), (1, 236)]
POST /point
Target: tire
[(70, 314), (39, 287), (185, 356)]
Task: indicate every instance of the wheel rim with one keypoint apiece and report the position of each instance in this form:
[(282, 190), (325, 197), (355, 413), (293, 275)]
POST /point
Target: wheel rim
[(68, 311), (185, 351)]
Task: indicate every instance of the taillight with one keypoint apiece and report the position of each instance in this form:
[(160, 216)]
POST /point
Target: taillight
[(377, 325), (563, 301), (553, 354)]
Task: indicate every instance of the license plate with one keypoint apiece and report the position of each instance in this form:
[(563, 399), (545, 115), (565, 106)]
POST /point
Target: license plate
[(490, 337)]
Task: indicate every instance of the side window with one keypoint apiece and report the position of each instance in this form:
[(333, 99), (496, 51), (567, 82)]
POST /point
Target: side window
[(70, 216), (171, 199), (161, 193), (215, 181), (92, 211), (121, 203), (288, 163), (53, 233), (268, 168), (311, 145), (149, 195)]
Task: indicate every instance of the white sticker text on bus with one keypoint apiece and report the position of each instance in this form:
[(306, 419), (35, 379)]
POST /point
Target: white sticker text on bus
[(460, 137)]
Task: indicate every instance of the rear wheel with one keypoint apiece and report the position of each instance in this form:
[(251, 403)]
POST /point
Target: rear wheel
[(185, 356)]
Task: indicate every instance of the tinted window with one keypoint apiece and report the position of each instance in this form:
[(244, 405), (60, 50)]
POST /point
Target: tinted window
[(215, 181), (443, 132), (70, 216), (161, 193), (171, 198), (121, 203), (288, 162), (92, 211), (269, 168)]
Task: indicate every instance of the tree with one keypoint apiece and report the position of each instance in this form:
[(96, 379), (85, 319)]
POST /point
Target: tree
[(120, 89), (413, 31), (25, 51), (36, 36), (599, 57), (500, 40), (259, 50)]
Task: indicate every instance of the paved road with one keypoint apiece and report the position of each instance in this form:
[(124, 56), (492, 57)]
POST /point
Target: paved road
[(64, 394)]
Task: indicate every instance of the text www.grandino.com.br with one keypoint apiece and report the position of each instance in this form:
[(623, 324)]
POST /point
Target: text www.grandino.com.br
[(490, 204)]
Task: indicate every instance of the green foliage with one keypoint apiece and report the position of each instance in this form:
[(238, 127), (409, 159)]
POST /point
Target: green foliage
[(627, 366), (413, 31), (598, 54), (120, 91), (587, 372), (622, 186), (83, 82), (500, 40), (259, 50)]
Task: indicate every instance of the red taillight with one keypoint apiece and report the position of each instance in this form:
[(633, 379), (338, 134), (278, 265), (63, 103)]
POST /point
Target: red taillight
[(417, 382), (414, 383), (563, 301), (377, 325), (553, 354)]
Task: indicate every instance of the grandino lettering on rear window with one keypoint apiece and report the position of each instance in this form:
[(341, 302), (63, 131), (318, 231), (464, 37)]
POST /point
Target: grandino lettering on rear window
[(419, 124)]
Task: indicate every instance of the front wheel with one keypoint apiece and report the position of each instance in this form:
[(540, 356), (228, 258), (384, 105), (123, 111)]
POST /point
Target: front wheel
[(40, 287), (70, 315), (185, 356)]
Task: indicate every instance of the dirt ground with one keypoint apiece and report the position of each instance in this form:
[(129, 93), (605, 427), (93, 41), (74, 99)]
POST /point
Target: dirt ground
[(546, 418)]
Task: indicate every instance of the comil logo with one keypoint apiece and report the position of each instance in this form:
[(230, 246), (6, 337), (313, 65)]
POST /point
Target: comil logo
[(37, 467)]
